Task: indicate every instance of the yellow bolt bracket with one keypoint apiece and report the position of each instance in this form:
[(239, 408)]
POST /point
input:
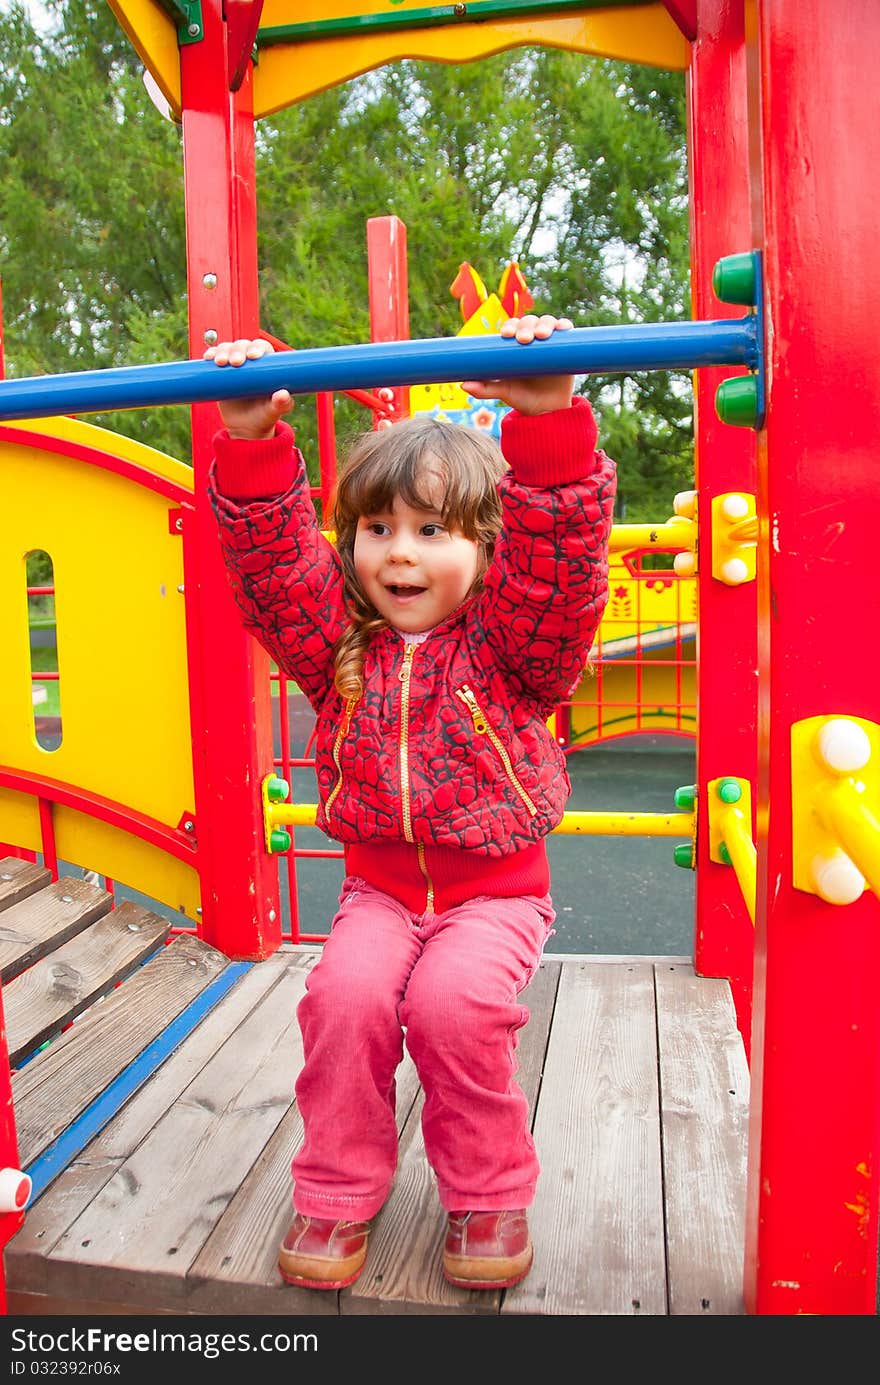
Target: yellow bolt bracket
[(730, 833), (835, 810), (734, 538), (274, 793)]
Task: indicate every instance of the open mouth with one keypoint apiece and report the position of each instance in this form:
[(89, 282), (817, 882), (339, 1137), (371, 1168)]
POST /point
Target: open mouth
[(401, 592)]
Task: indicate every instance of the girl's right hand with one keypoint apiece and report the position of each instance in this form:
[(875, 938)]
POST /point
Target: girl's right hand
[(252, 419)]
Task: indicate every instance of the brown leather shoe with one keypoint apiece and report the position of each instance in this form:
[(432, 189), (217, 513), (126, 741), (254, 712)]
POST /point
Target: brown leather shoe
[(487, 1250), (323, 1254)]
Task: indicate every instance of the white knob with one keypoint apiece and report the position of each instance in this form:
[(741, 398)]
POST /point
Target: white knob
[(843, 745), (837, 879), (685, 564), (734, 572), (735, 507), (15, 1190)]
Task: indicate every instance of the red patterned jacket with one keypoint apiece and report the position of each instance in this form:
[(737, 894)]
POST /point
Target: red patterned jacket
[(448, 749)]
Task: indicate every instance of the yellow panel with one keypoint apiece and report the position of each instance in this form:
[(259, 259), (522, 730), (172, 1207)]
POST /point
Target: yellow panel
[(649, 602), (118, 572), (85, 841), (114, 444), (19, 820), (630, 704), (94, 845), (287, 73), (153, 35)]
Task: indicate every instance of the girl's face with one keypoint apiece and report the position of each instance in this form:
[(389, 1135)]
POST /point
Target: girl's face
[(413, 569)]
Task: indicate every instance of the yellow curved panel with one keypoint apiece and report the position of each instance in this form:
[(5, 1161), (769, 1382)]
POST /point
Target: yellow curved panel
[(82, 434), (84, 841), (153, 35), (121, 635), (287, 73)]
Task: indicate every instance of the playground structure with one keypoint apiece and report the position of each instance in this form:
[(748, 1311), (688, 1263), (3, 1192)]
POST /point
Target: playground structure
[(784, 821)]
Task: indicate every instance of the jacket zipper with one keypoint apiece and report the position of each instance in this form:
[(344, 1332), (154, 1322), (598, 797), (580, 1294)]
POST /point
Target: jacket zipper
[(350, 704), (405, 802), (483, 727)]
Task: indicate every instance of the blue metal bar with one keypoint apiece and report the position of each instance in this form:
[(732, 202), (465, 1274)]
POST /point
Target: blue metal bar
[(55, 1158), (581, 351)]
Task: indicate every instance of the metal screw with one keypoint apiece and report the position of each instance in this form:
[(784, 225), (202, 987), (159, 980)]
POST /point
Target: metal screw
[(193, 30), (67, 899), (188, 825), (181, 589), (209, 281), (198, 911), (4, 876), (272, 916), (459, 11), (178, 524), (210, 337)]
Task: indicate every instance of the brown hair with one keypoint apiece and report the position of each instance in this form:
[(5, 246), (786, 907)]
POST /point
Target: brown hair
[(393, 462)]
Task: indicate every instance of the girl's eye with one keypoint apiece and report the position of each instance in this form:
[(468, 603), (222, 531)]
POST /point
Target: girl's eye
[(375, 526), (432, 530)]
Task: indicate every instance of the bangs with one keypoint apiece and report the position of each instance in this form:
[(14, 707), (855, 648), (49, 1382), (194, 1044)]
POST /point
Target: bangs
[(414, 459)]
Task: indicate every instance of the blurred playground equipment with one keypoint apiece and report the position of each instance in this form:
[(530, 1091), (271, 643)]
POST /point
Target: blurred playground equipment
[(738, 644)]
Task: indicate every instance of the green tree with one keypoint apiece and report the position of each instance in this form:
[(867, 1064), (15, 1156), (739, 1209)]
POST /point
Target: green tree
[(574, 167)]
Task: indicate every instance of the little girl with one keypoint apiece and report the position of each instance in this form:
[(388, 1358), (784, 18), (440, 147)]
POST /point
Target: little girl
[(455, 611)]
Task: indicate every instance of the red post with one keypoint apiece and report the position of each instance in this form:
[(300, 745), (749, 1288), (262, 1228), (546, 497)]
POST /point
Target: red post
[(814, 1178), (725, 461), (10, 1222), (229, 675), (388, 276)]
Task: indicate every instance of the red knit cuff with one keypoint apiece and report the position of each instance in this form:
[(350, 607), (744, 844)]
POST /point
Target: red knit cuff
[(255, 470), (551, 449)]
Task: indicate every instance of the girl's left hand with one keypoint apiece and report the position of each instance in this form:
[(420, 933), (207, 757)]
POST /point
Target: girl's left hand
[(529, 394)]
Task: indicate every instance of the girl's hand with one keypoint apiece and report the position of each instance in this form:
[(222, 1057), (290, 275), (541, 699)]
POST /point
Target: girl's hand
[(253, 419), (530, 394)]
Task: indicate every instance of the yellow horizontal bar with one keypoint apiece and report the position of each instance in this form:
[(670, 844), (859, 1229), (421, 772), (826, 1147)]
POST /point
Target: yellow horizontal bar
[(673, 533), (592, 824)]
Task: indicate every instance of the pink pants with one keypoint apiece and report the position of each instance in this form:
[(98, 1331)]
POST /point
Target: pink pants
[(451, 982)]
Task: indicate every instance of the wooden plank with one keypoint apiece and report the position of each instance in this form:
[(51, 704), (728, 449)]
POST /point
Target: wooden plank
[(404, 1270), (597, 1219), (52, 1214), (40, 1305), (34, 926), (18, 879), (58, 1084), (42, 1000), (704, 1083), (237, 1270), (137, 1239)]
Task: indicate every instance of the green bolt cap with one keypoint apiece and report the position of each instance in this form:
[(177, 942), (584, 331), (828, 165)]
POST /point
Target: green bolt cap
[(686, 797), (279, 840), (277, 789), (729, 791), (683, 855), (736, 401), (733, 279), (724, 854)]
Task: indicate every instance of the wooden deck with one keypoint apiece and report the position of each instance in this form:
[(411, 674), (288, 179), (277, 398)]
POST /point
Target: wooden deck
[(159, 1126)]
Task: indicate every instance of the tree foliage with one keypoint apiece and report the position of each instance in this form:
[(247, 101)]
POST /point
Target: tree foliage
[(574, 167)]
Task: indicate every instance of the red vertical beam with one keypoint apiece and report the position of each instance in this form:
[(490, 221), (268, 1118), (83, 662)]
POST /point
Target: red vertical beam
[(388, 277), (725, 461), (10, 1222), (229, 674), (812, 1232)]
